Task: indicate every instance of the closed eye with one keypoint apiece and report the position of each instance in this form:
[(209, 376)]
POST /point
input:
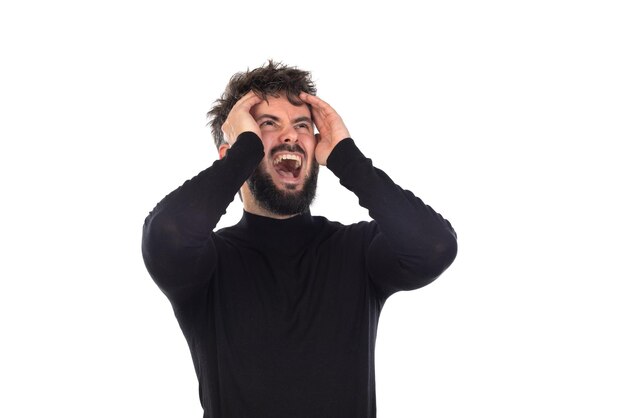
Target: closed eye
[(267, 123), (303, 125)]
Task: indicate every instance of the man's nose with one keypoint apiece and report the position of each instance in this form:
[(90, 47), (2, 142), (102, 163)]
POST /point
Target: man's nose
[(289, 135)]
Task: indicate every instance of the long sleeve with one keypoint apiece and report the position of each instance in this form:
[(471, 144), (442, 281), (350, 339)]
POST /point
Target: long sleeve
[(178, 240), (412, 244)]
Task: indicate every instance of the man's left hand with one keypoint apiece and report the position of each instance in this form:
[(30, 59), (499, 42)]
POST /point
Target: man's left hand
[(329, 124)]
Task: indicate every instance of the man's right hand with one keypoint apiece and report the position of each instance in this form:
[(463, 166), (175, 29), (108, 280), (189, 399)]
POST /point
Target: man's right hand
[(240, 119)]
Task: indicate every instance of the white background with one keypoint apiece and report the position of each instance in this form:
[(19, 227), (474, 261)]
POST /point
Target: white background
[(506, 117)]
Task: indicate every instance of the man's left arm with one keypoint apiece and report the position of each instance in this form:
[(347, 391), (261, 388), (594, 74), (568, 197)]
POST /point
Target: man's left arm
[(413, 244)]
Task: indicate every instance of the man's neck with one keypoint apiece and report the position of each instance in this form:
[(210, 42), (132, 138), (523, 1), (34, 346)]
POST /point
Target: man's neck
[(257, 210), (251, 205)]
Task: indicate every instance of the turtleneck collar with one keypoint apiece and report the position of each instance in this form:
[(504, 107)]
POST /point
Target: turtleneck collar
[(289, 234)]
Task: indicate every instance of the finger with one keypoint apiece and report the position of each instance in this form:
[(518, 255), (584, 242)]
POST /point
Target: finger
[(310, 99), (316, 110), (318, 120), (247, 101), (317, 102)]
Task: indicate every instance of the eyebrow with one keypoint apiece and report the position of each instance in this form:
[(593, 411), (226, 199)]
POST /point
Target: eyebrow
[(277, 119), (303, 119)]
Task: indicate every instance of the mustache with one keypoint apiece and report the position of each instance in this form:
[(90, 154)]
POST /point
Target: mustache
[(287, 148)]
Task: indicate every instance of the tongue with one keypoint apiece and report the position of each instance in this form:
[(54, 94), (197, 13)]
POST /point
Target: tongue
[(287, 168)]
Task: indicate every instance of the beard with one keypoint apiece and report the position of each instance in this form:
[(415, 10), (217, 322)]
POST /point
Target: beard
[(279, 202)]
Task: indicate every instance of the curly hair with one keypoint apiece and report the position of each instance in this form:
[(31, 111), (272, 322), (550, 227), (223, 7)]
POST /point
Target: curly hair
[(272, 79)]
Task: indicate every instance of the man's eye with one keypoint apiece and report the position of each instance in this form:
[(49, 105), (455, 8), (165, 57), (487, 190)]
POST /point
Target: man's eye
[(303, 126), (267, 123)]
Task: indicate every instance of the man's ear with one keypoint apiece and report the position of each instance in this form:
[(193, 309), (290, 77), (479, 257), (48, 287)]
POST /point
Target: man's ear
[(223, 149)]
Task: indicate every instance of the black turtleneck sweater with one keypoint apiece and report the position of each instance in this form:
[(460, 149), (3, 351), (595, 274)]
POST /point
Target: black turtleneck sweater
[(281, 315)]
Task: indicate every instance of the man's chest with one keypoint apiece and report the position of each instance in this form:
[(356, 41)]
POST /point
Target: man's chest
[(319, 295)]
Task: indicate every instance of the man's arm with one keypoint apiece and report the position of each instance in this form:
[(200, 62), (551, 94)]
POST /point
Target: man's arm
[(413, 244), (178, 240)]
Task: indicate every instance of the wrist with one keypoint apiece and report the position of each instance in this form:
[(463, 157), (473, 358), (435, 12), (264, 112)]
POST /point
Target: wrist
[(342, 154)]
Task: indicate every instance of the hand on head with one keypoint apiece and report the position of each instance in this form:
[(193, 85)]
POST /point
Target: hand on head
[(329, 124), (240, 120)]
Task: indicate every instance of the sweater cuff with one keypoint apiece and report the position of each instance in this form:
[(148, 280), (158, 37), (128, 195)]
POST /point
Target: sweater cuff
[(342, 155), (250, 142)]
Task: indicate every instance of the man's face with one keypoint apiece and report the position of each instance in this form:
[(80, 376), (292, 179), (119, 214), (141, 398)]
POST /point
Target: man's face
[(285, 181)]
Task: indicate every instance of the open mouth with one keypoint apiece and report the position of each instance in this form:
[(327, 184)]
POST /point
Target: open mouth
[(288, 165)]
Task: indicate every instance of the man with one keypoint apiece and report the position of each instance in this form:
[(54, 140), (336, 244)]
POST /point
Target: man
[(280, 311)]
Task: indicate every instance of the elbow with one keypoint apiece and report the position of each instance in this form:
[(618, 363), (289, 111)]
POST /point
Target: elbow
[(445, 252), (430, 264), (149, 244), (158, 242), (441, 256)]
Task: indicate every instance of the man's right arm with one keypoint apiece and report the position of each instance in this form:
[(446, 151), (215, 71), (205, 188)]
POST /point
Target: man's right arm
[(178, 240)]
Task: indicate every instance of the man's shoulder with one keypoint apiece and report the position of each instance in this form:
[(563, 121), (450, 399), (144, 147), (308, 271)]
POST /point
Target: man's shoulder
[(228, 231), (340, 228)]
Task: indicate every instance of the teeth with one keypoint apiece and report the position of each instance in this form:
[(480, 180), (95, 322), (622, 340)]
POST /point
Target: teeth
[(293, 157)]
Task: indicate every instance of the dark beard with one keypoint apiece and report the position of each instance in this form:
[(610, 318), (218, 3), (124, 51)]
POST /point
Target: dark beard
[(278, 202)]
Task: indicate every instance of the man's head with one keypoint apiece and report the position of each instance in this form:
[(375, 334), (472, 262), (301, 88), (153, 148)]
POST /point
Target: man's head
[(285, 181), (270, 80)]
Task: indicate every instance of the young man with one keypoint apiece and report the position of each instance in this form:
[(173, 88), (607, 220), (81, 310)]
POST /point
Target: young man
[(280, 311)]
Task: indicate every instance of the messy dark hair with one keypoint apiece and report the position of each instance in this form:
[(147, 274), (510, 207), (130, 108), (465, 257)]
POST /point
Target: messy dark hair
[(272, 79)]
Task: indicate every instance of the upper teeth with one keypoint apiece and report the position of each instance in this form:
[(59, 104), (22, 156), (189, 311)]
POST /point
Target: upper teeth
[(294, 157)]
